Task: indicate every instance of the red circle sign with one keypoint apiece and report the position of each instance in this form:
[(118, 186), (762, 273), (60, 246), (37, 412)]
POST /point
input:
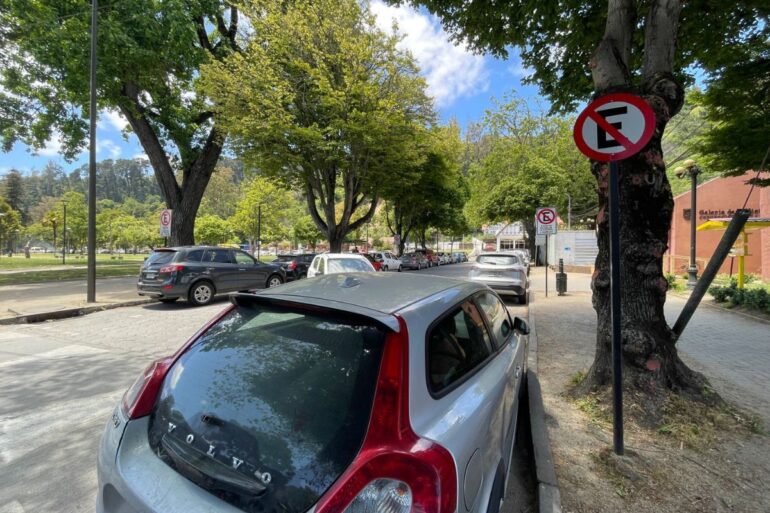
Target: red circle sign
[(546, 216), (165, 218), (614, 127)]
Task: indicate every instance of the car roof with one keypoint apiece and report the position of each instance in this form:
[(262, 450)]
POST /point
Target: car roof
[(343, 255), (374, 294)]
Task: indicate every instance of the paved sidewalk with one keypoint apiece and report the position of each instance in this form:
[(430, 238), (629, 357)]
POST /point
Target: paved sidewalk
[(732, 350), (36, 298)]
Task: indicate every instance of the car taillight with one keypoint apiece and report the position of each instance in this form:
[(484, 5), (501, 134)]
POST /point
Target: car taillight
[(170, 268), (139, 399), (292, 266), (395, 470)]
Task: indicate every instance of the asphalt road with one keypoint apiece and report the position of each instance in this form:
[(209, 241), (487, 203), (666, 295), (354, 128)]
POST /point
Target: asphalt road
[(60, 381)]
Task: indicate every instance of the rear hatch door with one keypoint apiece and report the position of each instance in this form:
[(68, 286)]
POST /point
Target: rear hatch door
[(150, 271), (270, 406)]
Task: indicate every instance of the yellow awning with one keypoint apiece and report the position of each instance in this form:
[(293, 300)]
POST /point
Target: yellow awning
[(721, 223)]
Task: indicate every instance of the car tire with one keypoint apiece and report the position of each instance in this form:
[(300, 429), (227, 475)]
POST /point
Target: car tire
[(167, 299), (399, 268), (523, 300), (385, 268), (201, 293), (273, 281)]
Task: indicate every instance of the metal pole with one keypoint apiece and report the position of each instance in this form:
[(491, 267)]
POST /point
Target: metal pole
[(91, 290), (720, 253), (546, 265), (64, 237), (259, 230), (692, 271), (617, 376), (569, 212)]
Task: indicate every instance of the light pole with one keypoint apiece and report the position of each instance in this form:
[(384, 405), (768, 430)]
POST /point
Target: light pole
[(91, 275), (569, 212), (2, 214), (53, 223), (692, 170), (64, 234), (259, 229)]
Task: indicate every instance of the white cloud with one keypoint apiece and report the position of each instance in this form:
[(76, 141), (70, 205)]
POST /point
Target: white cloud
[(110, 147), (141, 156), (114, 118), (53, 147), (452, 71)]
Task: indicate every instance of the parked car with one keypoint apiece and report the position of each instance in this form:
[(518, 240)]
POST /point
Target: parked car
[(198, 273), (414, 260), (523, 255), (388, 260), (296, 266), (460, 257), (334, 263), (502, 272), (430, 256), (377, 265), (363, 392)]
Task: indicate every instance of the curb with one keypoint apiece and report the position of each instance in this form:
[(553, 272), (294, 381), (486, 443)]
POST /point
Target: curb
[(548, 494), (69, 312)]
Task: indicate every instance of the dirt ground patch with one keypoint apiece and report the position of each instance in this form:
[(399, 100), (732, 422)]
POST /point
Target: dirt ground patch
[(726, 469)]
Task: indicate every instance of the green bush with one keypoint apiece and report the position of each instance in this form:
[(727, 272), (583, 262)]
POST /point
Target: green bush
[(721, 294), (758, 299), (738, 297)]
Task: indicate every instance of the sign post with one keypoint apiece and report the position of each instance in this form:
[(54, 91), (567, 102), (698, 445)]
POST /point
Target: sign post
[(612, 128), (165, 223), (545, 220)]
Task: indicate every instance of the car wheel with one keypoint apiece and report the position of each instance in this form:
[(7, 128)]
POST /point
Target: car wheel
[(399, 268), (273, 281), (303, 275), (201, 293), (167, 299), (523, 300), (385, 268)]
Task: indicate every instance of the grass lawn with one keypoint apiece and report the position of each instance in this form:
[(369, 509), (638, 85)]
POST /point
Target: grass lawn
[(43, 276), (17, 261)]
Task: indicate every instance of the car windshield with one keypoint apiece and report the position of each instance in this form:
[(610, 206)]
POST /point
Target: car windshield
[(348, 265), (269, 406), (497, 260)]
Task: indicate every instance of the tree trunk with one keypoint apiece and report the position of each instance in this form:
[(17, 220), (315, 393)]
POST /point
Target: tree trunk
[(651, 365)]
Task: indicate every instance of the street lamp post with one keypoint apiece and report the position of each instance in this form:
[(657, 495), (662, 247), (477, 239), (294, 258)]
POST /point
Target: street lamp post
[(64, 235), (692, 171), (259, 230), (2, 214)]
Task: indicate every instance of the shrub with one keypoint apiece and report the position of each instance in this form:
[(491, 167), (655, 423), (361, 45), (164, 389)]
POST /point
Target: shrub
[(757, 298), (721, 294)]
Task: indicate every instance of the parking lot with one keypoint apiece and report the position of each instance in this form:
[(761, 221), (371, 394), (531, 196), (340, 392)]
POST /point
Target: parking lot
[(61, 380)]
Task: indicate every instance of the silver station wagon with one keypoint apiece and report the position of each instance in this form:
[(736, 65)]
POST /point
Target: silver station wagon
[(363, 392)]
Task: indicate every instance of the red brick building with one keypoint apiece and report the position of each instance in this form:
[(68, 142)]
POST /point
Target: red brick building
[(719, 197)]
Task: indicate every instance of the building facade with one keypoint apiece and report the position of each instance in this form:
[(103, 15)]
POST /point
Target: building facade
[(719, 198)]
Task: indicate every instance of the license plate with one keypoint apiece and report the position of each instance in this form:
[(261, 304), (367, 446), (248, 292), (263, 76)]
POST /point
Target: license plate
[(149, 276)]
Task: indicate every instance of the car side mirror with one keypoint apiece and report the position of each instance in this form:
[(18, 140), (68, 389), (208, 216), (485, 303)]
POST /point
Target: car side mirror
[(520, 326)]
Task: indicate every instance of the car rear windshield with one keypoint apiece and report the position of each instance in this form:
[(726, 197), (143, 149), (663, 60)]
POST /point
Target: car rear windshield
[(348, 265), (163, 256), (497, 259), (284, 258), (269, 406)]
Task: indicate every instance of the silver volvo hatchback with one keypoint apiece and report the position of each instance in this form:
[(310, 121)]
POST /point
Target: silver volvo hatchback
[(364, 392)]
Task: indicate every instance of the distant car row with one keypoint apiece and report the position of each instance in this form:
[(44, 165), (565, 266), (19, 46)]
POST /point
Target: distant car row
[(198, 273)]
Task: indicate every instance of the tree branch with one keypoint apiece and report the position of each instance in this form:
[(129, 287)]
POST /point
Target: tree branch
[(609, 64), (367, 217), (313, 209), (660, 32), (203, 37)]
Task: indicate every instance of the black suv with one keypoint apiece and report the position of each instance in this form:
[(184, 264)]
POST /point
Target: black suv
[(295, 265), (197, 273)]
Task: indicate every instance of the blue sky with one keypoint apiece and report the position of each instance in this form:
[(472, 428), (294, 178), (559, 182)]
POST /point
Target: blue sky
[(461, 83)]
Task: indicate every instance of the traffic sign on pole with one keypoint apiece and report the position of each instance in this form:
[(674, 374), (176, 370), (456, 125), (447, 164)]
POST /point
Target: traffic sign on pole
[(613, 128), (165, 222), (545, 219)]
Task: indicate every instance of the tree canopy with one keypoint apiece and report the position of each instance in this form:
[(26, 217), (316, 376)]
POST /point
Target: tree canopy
[(324, 101), (150, 53)]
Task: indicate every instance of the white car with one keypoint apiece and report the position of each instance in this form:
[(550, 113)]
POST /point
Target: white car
[(334, 263), (387, 260)]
